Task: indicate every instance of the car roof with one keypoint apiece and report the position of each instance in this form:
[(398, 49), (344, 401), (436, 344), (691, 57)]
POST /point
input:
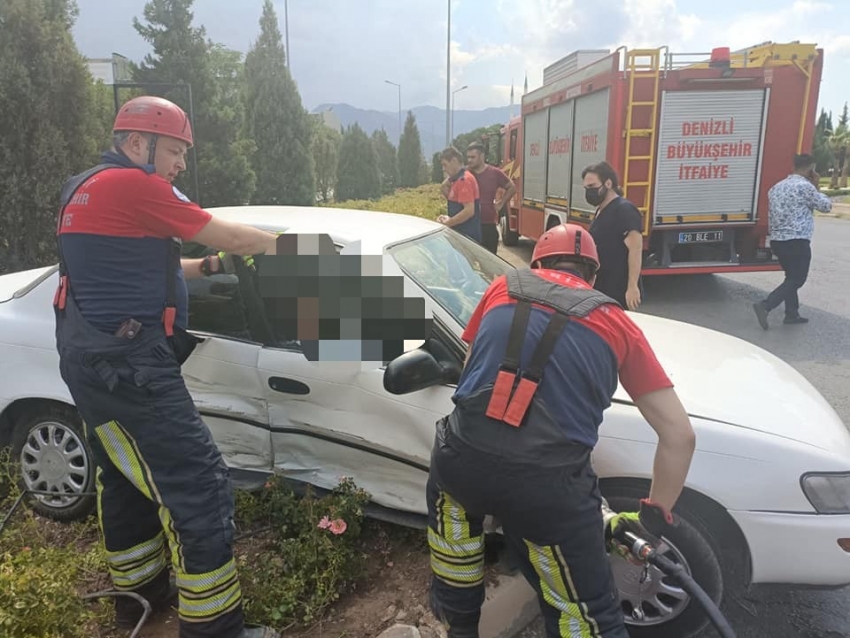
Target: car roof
[(375, 230)]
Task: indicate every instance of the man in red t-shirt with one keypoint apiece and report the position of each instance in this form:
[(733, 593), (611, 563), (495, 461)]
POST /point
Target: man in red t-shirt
[(164, 491), (546, 352), (461, 191), (491, 180)]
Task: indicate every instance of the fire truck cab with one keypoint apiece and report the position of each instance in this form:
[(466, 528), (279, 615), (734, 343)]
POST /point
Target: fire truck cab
[(696, 139)]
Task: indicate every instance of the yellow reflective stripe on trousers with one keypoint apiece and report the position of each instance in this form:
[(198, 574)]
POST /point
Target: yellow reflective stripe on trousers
[(138, 553), (124, 454), (559, 592), (456, 557), (136, 566), (206, 596)]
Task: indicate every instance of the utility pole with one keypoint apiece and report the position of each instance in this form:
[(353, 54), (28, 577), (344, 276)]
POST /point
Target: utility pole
[(286, 28), (449, 78), (399, 108), (455, 92)]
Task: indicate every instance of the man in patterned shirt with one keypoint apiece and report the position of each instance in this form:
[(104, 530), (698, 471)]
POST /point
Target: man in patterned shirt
[(792, 203)]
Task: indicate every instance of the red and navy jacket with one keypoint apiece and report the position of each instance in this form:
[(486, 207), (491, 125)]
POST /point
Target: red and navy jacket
[(115, 234), (464, 190), (580, 378)]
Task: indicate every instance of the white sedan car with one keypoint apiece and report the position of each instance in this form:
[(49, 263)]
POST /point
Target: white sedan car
[(767, 498)]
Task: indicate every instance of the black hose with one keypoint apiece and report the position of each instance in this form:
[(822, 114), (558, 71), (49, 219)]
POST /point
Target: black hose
[(678, 573)]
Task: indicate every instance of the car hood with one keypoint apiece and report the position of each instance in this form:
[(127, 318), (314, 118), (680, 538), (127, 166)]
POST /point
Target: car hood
[(13, 282), (727, 379)]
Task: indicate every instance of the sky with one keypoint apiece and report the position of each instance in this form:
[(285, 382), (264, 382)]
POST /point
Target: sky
[(345, 50)]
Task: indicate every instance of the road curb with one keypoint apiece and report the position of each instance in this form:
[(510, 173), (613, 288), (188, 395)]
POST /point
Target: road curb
[(510, 605)]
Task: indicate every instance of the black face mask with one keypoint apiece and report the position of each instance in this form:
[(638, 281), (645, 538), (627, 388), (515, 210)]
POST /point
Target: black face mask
[(595, 196)]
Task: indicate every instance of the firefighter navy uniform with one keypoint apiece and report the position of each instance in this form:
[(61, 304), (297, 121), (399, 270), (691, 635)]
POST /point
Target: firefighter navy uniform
[(546, 353), (164, 492)]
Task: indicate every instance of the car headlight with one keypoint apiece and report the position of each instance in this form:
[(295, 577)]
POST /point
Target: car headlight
[(829, 493)]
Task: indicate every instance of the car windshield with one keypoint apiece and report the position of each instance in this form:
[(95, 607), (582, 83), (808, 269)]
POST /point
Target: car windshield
[(454, 270)]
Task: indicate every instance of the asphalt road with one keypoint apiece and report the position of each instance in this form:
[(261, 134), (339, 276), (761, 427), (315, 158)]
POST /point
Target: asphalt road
[(820, 350)]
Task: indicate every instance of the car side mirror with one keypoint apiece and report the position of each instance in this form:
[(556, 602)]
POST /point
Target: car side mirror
[(414, 371)]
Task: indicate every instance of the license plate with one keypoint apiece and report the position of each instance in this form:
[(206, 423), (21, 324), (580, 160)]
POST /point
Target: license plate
[(699, 237)]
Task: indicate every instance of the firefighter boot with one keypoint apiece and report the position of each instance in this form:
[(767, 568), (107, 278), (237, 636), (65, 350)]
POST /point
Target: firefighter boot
[(161, 593), (258, 631)]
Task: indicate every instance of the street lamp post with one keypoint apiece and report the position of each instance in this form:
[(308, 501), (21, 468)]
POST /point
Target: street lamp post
[(399, 108), (449, 76), (455, 92), (286, 29)]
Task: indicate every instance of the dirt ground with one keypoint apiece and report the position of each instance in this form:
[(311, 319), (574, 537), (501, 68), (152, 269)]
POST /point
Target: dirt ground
[(395, 590)]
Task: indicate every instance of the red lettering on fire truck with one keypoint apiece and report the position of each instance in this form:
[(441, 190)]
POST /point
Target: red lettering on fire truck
[(589, 143), (559, 146), (712, 171), (709, 127)]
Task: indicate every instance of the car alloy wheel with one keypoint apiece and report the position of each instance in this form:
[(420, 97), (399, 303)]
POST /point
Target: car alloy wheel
[(56, 464)]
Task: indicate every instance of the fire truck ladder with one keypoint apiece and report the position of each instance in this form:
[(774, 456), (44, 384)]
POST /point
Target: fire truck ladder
[(643, 68)]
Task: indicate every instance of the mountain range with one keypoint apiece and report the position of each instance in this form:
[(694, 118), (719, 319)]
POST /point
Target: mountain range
[(431, 121)]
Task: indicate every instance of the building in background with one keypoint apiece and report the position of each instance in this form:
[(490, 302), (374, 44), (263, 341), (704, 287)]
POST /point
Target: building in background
[(110, 70)]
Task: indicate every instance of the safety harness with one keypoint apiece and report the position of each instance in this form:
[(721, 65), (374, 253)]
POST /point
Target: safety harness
[(169, 313), (514, 390)]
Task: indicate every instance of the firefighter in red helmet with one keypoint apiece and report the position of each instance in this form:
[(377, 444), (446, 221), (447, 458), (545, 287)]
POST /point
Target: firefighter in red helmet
[(546, 352), (164, 492)]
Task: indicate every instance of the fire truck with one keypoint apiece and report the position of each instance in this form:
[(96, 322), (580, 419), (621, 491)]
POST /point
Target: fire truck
[(696, 139)]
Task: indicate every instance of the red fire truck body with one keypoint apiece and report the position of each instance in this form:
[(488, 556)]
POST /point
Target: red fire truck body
[(697, 145)]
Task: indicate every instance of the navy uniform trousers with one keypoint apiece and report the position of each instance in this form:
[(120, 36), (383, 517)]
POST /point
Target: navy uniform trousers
[(552, 519), (164, 492)]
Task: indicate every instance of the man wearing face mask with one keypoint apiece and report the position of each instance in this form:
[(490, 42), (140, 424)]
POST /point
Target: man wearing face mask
[(616, 229)]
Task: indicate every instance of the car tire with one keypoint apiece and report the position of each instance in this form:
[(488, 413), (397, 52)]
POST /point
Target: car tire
[(689, 540), (49, 446), (509, 237)]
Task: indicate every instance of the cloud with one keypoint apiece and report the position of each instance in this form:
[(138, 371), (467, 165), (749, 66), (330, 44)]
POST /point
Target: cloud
[(343, 51)]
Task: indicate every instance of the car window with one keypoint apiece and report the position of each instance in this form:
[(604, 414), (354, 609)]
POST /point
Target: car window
[(452, 269), (218, 304)]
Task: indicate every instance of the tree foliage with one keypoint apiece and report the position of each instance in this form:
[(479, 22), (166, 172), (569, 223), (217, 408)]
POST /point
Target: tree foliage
[(183, 55), (277, 120), (820, 148), (410, 153), (325, 145), (436, 169), (51, 125), (487, 135), (357, 171), (387, 161)]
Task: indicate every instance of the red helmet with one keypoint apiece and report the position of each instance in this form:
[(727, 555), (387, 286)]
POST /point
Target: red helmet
[(567, 240), (149, 114)]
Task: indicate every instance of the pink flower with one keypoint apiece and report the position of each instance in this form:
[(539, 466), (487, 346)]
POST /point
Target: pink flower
[(268, 485), (338, 526), (325, 523)]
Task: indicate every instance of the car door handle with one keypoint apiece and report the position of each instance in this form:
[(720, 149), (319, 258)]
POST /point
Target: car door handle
[(288, 386)]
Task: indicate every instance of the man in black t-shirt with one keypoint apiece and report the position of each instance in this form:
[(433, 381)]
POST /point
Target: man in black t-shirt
[(616, 229)]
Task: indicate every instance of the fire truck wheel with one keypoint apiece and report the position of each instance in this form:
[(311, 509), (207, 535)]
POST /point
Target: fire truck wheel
[(658, 606), (509, 237)]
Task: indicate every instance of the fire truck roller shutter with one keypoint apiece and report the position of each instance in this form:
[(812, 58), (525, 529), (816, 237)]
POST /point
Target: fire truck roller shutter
[(534, 156), (560, 154), (590, 141), (709, 153)]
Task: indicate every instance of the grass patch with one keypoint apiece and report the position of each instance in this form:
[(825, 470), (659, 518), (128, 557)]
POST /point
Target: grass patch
[(424, 201)]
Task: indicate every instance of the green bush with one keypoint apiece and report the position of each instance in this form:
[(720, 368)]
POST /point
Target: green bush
[(296, 556), (308, 556), (39, 597), (424, 201)]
